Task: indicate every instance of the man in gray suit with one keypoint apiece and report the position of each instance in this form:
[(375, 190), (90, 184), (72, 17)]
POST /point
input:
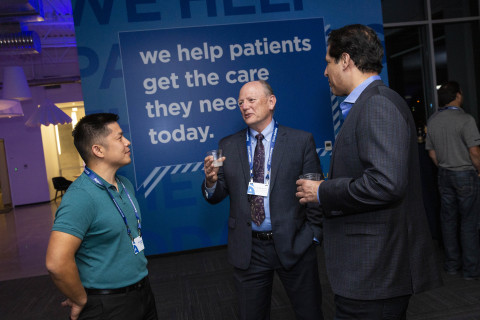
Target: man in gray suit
[(268, 229), (378, 247)]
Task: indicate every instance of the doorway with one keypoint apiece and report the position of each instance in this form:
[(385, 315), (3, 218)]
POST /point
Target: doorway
[(5, 196), (61, 156)]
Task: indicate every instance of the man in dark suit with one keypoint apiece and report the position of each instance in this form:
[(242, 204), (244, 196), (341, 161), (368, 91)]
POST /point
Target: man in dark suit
[(268, 229), (378, 247)]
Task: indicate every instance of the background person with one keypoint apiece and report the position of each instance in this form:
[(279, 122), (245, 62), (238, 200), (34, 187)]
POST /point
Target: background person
[(95, 254), (268, 232), (453, 143)]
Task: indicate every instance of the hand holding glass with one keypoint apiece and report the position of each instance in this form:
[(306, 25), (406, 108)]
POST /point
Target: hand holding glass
[(217, 155), (311, 176)]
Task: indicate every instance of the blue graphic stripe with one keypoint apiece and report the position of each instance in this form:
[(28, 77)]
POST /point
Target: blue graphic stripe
[(158, 173), (336, 118)]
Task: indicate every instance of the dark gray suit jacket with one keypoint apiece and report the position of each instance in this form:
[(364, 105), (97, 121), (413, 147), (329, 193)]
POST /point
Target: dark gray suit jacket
[(376, 237), (294, 154)]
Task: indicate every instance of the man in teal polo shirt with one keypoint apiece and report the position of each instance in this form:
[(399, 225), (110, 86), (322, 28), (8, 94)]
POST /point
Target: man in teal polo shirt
[(95, 255)]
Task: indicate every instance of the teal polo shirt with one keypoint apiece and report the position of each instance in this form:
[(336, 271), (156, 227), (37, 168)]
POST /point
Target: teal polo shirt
[(105, 259)]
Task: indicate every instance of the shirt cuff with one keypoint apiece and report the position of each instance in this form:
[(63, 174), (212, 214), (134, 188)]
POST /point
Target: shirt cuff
[(209, 191)]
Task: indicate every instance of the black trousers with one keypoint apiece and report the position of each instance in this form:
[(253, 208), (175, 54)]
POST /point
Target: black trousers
[(302, 284), (137, 304), (382, 309)]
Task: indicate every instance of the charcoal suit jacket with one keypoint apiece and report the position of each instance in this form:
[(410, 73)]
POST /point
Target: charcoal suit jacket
[(376, 237), (293, 231)]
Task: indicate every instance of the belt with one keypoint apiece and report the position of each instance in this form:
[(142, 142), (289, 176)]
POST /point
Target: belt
[(140, 284), (262, 235)]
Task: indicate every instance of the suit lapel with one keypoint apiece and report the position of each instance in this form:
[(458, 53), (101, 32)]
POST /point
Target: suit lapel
[(365, 94), (241, 144), (278, 153)]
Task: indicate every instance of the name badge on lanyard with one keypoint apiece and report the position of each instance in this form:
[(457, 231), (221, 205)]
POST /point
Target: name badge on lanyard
[(258, 188), (137, 243)]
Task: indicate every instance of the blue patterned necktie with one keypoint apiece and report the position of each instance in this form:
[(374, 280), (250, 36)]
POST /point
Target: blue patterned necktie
[(256, 205)]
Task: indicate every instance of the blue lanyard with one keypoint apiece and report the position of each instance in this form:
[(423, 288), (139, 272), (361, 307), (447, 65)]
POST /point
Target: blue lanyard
[(448, 108), (95, 179), (272, 144)]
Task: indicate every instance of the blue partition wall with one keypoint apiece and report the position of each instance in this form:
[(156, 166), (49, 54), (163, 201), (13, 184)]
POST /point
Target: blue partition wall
[(172, 70)]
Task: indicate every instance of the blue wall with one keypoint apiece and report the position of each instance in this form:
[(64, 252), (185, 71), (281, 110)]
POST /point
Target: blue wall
[(188, 59)]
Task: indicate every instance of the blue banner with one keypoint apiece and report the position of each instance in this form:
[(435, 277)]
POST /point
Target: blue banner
[(182, 86), (173, 69)]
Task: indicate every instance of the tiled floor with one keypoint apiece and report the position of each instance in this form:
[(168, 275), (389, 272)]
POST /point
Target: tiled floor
[(24, 234), (178, 281)]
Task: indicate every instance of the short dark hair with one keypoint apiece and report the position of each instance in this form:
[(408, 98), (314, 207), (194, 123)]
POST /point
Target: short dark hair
[(361, 43), (448, 92), (90, 130)]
